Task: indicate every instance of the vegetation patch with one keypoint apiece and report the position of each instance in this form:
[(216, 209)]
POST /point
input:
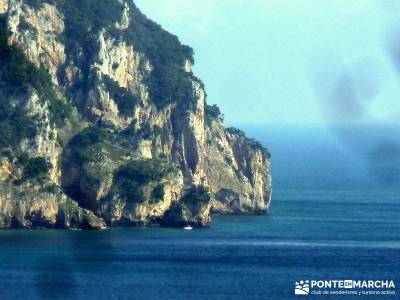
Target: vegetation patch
[(212, 112), (124, 99), (92, 144), (130, 179), (37, 168), (196, 195), (144, 171), (15, 125)]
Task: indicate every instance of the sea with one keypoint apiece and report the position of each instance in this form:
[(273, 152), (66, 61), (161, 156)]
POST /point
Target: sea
[(335, 216)]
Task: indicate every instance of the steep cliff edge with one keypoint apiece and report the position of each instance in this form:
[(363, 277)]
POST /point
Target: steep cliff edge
[(104, 123)]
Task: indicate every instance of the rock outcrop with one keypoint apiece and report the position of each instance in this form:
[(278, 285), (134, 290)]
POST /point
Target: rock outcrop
[(3, 6), (47, 206), (106, 124)]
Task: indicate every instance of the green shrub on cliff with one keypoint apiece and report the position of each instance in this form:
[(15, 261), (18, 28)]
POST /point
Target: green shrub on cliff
[(197, 195), (15, 125), (124, 99), (130, 179), (143, 171), (37, 168), (87, 145), (212, 112)]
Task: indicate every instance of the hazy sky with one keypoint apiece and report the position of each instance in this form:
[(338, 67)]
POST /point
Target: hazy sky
[(291, 61)]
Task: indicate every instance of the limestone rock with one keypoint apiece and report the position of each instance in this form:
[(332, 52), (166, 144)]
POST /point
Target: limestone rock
[(193, 209), (141, 196), (3, 6), (30, 206), (134, 101), (40, 36)]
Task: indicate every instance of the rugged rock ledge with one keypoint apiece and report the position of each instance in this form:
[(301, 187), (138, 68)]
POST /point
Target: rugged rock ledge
[(104, 123)]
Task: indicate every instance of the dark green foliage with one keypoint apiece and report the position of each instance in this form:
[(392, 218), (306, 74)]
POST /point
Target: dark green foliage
[(6, 153), (146, 132), (213, 112), (51, 188), (16, 73), (130, 130), (37, 168), (15, 125), (124, 99), (196, 195), (3, 33), (23, 159), (130, 189), (131, 177), (18, 182), (163, 156), (236, 131), (144, 171), (88, 137), (84, 16), (80, 144), (59, 111)]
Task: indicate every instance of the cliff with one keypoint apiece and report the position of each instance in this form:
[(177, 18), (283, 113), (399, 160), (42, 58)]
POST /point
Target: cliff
[(103, 123)]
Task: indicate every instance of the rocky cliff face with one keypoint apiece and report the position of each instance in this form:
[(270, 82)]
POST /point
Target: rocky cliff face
[(116, 128)]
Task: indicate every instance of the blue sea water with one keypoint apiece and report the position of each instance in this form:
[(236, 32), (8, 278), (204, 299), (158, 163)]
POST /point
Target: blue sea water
[(325, 231)]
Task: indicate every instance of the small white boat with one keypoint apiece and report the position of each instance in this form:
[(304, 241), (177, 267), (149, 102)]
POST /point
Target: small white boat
[(188, 227)]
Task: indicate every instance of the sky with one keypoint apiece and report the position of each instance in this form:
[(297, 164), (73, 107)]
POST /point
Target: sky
[(292, 61)]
